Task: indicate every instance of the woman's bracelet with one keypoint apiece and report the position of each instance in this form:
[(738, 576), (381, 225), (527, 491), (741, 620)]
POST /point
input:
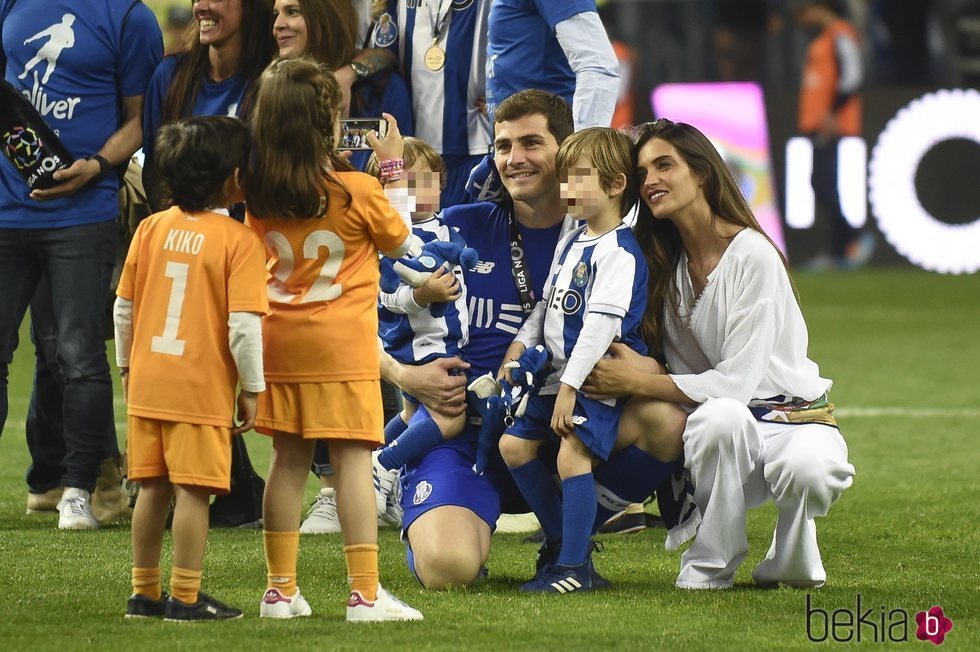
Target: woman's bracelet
[(391, 169)]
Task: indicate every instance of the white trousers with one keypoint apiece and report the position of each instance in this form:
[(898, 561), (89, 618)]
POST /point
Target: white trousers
[(737, 462)]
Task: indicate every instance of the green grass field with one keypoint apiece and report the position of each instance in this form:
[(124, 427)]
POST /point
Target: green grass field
[(902, 348)]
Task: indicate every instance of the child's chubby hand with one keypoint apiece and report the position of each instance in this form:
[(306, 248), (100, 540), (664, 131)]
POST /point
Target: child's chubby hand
[(561, 418), (247, 404), (514, 351), (441, 286)]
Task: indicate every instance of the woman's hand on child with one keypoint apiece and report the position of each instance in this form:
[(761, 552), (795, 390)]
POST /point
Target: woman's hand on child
[(441, 286), (392, 146), (613, 376), (247, 403)]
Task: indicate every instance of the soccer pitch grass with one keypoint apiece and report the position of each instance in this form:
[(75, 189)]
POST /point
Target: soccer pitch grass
[(902, 348)]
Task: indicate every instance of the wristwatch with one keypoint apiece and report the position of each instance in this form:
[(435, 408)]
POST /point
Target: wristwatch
[(360, 70)]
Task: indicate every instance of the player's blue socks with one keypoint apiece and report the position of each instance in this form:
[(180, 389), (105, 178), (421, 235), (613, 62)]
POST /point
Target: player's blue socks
[(394, 429), (578, 513), (421, 436), (538, 488), (628, 476)]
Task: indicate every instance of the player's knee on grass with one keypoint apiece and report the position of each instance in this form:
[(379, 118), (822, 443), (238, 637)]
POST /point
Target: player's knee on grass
[(516, 451), (446, 564)]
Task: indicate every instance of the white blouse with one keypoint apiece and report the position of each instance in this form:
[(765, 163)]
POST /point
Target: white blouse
[(744, 338)]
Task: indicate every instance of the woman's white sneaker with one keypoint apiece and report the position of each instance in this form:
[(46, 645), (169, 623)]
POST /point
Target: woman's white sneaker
[(384, 608)]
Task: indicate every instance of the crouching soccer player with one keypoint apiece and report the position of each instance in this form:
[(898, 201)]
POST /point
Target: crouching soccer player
[(596, 295), (188, 323)]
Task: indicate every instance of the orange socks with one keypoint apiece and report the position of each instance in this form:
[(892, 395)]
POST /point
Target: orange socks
[(146, 581), (362, 569), (281, 552), (185, 584)]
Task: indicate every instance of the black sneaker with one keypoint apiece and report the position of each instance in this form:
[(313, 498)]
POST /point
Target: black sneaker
[(206, 608), (537, 537), (625, 523), (140, 606)]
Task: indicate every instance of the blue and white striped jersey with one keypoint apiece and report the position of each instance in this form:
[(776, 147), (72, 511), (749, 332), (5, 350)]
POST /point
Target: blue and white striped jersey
[(409, 332), (604, 274), (444, 101)]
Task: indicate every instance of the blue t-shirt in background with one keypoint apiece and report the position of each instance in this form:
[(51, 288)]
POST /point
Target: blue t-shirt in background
[(222, 98), (523, 51), (74, 61)]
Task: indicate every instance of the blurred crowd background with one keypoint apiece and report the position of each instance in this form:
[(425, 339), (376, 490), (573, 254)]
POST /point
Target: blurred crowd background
[(910, 48)]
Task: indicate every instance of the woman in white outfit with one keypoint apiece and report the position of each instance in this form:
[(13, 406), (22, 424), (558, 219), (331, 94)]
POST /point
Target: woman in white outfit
[(723, 311)]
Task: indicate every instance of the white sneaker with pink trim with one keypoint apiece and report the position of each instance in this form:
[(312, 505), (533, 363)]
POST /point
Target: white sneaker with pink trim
[(276, 605), (385, 607)]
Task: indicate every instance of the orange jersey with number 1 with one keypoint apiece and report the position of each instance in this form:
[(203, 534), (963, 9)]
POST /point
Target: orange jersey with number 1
[(323, 289), (184, 273)]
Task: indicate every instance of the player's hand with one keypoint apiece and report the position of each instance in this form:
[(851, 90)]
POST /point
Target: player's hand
[(514, 351), (481, 105), (440, 384), (442, 285), (70, 180), (613, 376), (124, 376), (392, 145), (561, 418), (247, 403)]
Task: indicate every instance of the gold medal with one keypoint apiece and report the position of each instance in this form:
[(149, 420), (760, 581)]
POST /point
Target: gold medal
[(435, 58)]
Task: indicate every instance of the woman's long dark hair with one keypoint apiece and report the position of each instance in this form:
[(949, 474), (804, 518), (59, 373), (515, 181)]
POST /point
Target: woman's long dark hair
[(257, 50), (659, 239)]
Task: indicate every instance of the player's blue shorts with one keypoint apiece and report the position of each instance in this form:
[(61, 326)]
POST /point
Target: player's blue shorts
[(598, 431), (445, 476)]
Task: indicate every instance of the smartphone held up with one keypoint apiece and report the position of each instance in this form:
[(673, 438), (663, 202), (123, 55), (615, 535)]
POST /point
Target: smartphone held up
[(354, 131)]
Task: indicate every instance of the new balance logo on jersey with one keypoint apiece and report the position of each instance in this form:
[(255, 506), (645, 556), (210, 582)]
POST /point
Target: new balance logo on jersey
[(483, 267)]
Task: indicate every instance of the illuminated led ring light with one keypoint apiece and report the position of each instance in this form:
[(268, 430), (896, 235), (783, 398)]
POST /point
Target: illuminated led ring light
[(917, 235)]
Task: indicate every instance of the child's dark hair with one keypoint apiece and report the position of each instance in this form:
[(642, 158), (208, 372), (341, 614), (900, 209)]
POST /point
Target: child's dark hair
[(196, 156)]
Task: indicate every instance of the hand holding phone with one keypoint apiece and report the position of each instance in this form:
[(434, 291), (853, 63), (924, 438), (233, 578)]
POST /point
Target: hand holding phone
[(354, 131)]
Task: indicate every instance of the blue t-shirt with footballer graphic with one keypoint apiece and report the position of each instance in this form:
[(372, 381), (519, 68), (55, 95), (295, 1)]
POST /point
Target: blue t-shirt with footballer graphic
[(75, 61), (523, 50)]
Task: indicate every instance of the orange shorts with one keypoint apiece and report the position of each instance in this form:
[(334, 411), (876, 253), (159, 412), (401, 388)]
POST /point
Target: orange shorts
[(185, 453), (339, 410)]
